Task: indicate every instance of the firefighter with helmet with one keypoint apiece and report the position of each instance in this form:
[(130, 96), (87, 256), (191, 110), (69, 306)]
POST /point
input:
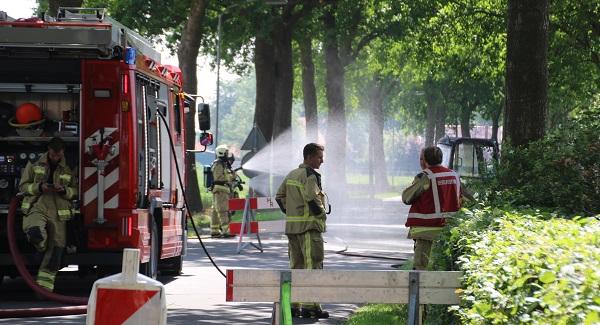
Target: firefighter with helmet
[(49, 186), (221, 188)]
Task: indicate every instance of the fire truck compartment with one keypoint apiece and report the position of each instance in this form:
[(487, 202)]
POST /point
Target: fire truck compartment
[(59, 103), (54, 86)]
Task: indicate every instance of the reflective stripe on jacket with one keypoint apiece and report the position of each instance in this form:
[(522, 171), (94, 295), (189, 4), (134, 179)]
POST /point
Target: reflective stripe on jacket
[(440, 200), (55, 204), (301, 186)]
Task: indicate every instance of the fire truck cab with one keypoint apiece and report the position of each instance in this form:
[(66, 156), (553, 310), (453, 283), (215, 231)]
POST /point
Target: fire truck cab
[(103, 89)]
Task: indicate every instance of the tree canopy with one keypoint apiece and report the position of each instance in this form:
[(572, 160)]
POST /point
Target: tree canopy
[(425, 67)]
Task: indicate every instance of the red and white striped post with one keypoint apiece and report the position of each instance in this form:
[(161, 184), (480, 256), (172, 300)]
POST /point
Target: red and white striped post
[(128, 297)]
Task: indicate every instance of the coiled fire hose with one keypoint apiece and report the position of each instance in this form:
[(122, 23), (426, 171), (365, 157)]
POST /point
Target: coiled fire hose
[(20, 264)]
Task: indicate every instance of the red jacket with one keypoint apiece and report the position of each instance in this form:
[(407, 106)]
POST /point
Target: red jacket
[(441, 200)]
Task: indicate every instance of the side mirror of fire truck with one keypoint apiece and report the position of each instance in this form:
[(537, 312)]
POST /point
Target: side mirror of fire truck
[(204, 116)]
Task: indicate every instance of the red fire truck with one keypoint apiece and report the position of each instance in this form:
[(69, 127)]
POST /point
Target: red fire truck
[(102, 88)]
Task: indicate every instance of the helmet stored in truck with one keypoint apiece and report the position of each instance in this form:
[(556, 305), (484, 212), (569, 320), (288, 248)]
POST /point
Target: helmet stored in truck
[(28, 113)]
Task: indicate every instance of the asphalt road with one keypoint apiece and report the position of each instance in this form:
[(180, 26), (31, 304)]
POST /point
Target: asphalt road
[(198, 295)]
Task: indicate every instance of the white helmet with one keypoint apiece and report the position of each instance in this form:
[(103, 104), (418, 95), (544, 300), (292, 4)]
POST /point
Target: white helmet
[(222, 151)]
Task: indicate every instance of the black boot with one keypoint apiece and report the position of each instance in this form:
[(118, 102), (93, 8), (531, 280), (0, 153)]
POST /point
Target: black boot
[(296, 312), (314, 313)]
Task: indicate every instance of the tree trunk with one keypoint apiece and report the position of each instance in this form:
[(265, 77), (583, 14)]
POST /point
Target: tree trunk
[(440, 120), (187, 53), (264, 56), (465, 120), (284, 80), (54, 4), (431, 100), (309, 91), (275, 71), (496, 121), (376, 135), (526, 71), (442, 112), (336, 115)]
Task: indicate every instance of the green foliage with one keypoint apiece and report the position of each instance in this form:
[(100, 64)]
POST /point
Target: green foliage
[(236, 110), (153, 19), (379, 314), (524, 267), (452, 56), (42, 6), (573, 56), (521, 267), (561, 171)]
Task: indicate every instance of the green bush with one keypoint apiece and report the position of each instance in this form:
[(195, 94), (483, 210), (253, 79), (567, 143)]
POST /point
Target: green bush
[(452, 243), (523, 267), (531, 266), (560, 172), (379, 314)]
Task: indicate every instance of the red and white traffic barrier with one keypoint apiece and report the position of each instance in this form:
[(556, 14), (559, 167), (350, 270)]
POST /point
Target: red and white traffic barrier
[(256, 203), (249, 225), (128, 297)]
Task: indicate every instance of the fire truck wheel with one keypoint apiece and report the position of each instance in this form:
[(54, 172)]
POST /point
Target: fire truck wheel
[(171, 265), (150, 269), (84, 270), (107, 270)]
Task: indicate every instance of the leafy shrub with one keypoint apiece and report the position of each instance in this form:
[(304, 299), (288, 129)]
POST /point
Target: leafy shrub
[(523, 267), (453, 242), (561, 171)]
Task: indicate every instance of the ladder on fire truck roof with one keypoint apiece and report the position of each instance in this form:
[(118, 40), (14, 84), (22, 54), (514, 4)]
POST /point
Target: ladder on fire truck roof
[(75, 29)]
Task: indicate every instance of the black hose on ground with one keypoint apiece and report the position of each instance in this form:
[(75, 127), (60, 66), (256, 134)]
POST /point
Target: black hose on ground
[(346, 253), (383, 257), (20, 265), (189, 214)]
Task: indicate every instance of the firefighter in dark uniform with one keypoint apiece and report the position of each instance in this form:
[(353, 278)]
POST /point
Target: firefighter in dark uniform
[(49, 186), (301, 198), (434, 195), (221, 189)]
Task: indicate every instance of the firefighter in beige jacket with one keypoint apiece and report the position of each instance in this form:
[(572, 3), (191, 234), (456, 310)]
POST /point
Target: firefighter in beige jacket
[(221, 189), (301, 198), (49, 185)]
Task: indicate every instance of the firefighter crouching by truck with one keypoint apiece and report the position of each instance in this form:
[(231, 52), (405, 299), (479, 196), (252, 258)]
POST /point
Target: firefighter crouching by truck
[(49, 185), (221, 188), (301, 198)]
